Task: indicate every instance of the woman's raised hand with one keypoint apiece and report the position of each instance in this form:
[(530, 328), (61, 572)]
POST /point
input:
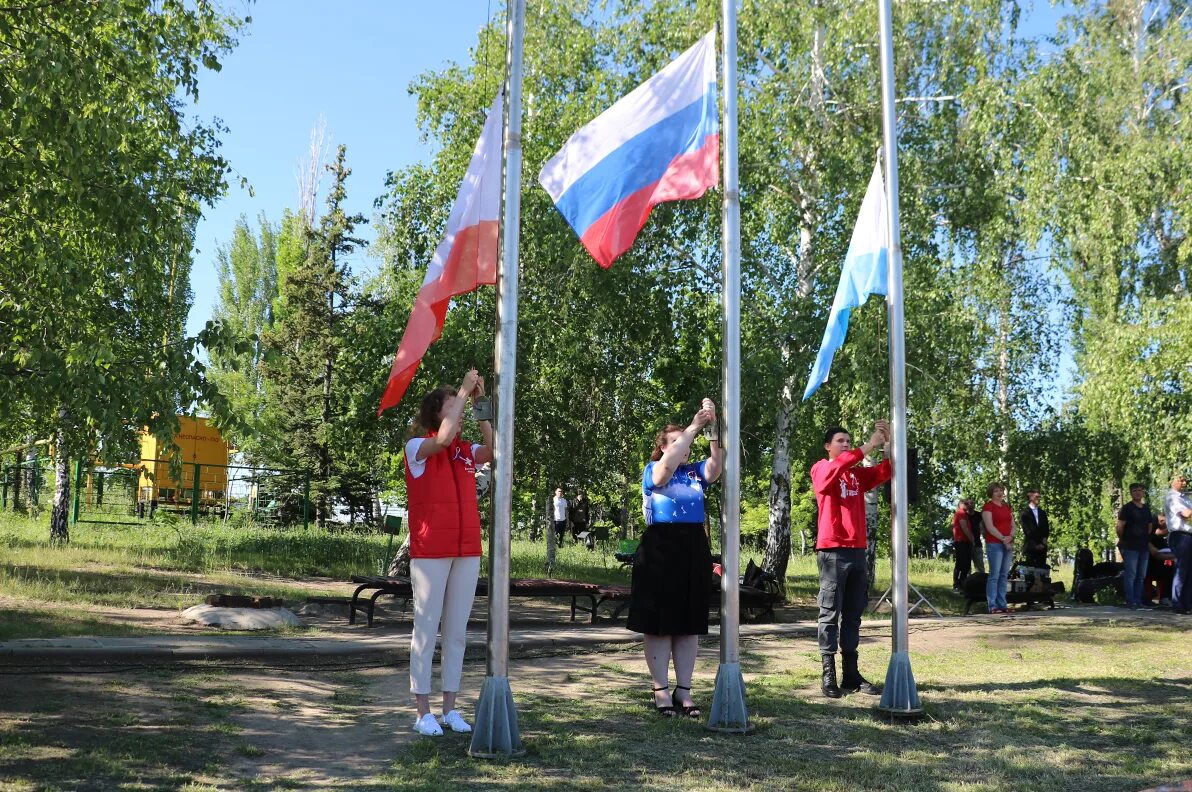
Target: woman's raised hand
[(470, 381), (704, 416)]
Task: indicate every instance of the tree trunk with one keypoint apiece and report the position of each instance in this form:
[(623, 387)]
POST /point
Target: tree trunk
[(778, 533), (400, 565), (550, 534), (1005, 419), (60, 516), (324, 509), (33, 480), (18, 475), (535, 522)]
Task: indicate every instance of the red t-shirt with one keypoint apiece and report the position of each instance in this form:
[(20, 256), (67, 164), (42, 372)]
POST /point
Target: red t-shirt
[(957, 534), (840, 485), (1003, 520)]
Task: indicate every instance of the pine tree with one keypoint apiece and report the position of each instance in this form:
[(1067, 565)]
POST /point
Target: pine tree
[(304, 346)]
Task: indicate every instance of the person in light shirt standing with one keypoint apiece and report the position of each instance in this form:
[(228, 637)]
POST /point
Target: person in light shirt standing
[(840, 483), (1178, 510), (560, 516)]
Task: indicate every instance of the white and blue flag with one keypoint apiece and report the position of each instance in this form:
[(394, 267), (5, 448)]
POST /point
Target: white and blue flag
[(864, 273)]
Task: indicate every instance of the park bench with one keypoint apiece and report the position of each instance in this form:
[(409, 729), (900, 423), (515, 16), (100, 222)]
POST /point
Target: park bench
[(974, 592), (585, 597)]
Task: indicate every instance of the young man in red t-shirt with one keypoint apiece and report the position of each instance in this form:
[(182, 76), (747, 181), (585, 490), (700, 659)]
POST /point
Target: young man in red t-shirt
[(840, 483)]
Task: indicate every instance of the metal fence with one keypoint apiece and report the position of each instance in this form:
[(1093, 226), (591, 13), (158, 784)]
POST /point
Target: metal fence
[(23, 484), (131, 493)]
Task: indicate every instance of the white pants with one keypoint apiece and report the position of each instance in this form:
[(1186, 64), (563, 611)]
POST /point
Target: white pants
[(443, 591)]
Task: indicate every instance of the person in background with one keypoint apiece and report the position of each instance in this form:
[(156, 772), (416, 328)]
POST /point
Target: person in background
[(560, 506), (1160, 570), (998, 521), (962, 543), (1035, 530), (1178, 511), (1135, 524), (444, 544), (978, 548), (671, 577), (579, 515), (840, 483)]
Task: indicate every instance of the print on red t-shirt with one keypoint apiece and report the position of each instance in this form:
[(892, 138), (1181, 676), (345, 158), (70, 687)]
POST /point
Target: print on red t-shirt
[(840, 485)]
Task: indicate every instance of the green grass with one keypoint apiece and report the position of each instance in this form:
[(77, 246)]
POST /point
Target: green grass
[(173, 564), (1041, 704), (1072, 708), (27, 622)]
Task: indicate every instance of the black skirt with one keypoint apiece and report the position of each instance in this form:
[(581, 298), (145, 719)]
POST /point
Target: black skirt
[(672, 581)]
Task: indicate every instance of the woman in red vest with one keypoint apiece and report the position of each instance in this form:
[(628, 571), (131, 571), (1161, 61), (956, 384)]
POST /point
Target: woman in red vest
[(444, 544)]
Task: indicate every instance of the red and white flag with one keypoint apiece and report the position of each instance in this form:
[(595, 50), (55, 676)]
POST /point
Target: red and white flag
[(465, 259)]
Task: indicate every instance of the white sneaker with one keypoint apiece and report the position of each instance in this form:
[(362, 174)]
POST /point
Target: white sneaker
[(454, 721), (427, 725)]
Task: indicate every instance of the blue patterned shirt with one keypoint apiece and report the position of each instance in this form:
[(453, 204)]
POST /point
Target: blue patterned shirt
[(680, 500)]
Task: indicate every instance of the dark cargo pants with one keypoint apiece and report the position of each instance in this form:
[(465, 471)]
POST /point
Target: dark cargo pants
[(843, 594)]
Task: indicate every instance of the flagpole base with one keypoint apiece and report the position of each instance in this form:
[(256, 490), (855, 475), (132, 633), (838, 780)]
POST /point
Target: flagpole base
[(900, 698), (495, 734), (729, 713)]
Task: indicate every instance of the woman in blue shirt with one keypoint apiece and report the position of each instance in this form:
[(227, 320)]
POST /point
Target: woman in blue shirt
[(673, 569)]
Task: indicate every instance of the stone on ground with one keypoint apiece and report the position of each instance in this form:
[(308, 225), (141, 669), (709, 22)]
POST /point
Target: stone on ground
[(241, 618)]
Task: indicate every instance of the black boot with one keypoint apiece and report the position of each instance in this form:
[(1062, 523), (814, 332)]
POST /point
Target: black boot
[(829, 679), (853, 681)]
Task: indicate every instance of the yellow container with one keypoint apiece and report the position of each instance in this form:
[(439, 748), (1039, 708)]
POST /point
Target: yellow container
[(197, 442)]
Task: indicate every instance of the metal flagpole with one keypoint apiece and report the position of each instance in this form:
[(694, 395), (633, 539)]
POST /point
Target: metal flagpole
[(495, 733), (729, 712), (899, 696)]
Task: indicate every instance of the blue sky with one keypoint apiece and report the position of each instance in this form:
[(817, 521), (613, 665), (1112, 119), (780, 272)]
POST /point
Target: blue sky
[(350, 62)]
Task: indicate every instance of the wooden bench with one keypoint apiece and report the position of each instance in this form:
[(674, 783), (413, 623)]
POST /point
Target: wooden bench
[(593, 595), (585, 597)]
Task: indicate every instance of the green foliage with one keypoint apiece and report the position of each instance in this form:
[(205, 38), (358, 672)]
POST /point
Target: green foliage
[(1108, 596), (103, 176), (248, 294), (318, 416), (1107, 188)]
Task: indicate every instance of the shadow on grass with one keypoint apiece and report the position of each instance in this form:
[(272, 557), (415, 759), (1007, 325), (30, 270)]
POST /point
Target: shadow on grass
[(105, 587), (614, 742), (50, 624), (73, 734), (117, 587)]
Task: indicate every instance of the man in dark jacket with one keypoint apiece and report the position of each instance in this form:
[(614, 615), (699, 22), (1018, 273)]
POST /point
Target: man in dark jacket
[(1035, 530)]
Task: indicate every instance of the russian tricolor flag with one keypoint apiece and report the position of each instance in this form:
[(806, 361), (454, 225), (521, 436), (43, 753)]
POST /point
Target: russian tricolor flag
[(659, 143)]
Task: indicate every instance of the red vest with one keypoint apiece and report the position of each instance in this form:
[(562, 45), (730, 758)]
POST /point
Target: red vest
[(443, 517)]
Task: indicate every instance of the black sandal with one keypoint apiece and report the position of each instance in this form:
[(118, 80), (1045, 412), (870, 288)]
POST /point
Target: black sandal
[(669, 710), (690, 710)]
